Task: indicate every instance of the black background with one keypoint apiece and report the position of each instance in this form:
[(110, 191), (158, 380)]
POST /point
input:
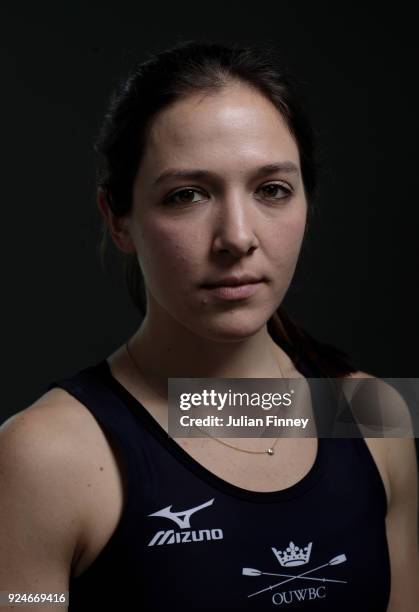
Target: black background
[(357, 284)]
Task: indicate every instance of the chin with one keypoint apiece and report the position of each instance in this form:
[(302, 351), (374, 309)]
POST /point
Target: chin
[(232, 328)]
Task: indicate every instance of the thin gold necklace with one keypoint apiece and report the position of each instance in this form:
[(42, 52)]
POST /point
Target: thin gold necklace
[(268, 451)]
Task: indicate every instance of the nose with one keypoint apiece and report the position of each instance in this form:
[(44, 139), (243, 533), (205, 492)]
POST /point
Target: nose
[(235, 226)]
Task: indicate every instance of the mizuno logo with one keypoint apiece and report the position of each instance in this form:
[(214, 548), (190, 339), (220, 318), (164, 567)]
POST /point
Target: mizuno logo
[(180, 537), (183, 521), (182, 518)]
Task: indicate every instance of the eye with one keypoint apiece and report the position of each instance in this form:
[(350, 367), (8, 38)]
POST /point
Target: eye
[(183, 196), (271, 189)]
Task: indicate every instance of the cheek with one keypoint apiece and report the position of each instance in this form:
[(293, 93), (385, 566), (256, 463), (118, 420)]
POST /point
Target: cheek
[(168, 255), (286, 239)]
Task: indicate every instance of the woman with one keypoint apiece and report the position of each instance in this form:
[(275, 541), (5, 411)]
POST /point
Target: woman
[(206, 180)]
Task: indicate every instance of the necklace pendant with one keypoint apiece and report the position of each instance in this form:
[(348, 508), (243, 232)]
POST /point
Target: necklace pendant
[(270, 451)]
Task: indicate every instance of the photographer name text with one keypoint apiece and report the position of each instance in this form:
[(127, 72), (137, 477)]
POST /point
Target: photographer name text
[(242, 421)]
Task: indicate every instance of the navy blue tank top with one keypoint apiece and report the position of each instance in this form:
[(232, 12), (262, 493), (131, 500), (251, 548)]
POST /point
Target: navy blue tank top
[(188, 540)]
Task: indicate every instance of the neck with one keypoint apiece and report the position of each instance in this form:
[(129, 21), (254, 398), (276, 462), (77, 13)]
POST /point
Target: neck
[(173, 351)]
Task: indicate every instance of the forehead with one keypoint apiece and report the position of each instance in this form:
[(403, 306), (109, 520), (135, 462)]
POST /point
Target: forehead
[(236, 123)]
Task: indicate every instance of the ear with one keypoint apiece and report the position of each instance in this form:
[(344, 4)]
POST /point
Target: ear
[(117, 226)]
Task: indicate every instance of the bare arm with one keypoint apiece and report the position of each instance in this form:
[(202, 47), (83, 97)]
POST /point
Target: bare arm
[(40, 524), (402, 515), (402, 527)]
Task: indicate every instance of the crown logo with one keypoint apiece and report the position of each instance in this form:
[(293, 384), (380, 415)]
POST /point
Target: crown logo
[(293, 555)]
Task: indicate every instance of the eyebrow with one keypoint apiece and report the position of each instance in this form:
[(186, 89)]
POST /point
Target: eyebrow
[(288, 167)]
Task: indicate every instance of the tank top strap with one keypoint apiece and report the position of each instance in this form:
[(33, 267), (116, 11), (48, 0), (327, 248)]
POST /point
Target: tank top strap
[(332, 411), (89, 388)]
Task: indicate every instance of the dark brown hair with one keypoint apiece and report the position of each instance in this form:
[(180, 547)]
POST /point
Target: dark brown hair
[(155, 84)]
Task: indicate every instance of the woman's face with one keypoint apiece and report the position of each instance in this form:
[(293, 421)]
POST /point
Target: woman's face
[(207, 206)]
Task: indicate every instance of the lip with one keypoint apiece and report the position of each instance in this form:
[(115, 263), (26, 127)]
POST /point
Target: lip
[(234, 292), (234, 280)]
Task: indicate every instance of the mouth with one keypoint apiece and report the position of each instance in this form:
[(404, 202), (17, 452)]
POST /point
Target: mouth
[(234, 292)]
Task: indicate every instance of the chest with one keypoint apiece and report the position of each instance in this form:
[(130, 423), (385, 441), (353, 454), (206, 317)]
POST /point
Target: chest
[(247, 535), (291, 462), (251, 467)]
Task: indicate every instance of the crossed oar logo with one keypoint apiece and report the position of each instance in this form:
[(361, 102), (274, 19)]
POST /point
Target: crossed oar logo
[(249, 571)]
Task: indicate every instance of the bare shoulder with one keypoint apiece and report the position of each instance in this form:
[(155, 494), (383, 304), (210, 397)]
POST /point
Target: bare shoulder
[(56, 424), (378, 404), (59, 434), (46, 425), (360, 374), (50, 473), (395, 451)]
